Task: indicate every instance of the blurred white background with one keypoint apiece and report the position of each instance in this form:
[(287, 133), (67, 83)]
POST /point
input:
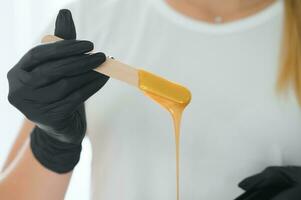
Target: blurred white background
[(22, 22)]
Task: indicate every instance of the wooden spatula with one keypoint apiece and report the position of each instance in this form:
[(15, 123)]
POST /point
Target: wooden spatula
[(141, 79), (111, 67)]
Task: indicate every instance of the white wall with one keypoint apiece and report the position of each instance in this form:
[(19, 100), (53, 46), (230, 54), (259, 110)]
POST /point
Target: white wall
[(21, 22)]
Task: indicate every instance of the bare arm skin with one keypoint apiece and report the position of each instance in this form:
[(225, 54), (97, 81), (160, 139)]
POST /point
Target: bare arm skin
[(25, 178), (24, 132)]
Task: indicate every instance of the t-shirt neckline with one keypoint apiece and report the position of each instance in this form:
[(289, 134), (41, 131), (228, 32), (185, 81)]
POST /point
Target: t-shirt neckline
[(201, 26)]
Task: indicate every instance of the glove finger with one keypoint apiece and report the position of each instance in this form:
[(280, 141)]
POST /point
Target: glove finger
[(261, 194), (275, 177), (53, 51), (270, 177), (249, 195), (64, 87), (250, 182), (21, 77), (64, 25), (17, 79), (55, 70), (81, 95), (86, 64)]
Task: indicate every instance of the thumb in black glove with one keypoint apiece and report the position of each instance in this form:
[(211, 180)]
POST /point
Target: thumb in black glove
[(49, 86)]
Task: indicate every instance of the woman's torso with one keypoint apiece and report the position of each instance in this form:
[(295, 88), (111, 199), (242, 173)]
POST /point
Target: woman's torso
[(235, 125)]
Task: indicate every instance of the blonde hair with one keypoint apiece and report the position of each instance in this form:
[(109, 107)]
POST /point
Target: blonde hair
[(290, 65)]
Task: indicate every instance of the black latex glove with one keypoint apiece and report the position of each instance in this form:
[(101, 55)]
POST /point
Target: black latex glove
[(49, 86), (274, 183)]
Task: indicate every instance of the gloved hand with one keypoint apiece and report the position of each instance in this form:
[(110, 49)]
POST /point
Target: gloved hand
[(49, 86), (274, 183)]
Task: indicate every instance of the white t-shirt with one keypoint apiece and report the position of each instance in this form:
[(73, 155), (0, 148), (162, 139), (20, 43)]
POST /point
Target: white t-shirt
[(234, 127)]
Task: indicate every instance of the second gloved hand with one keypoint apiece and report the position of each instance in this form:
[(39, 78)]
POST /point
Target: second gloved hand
[(274, 183)]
